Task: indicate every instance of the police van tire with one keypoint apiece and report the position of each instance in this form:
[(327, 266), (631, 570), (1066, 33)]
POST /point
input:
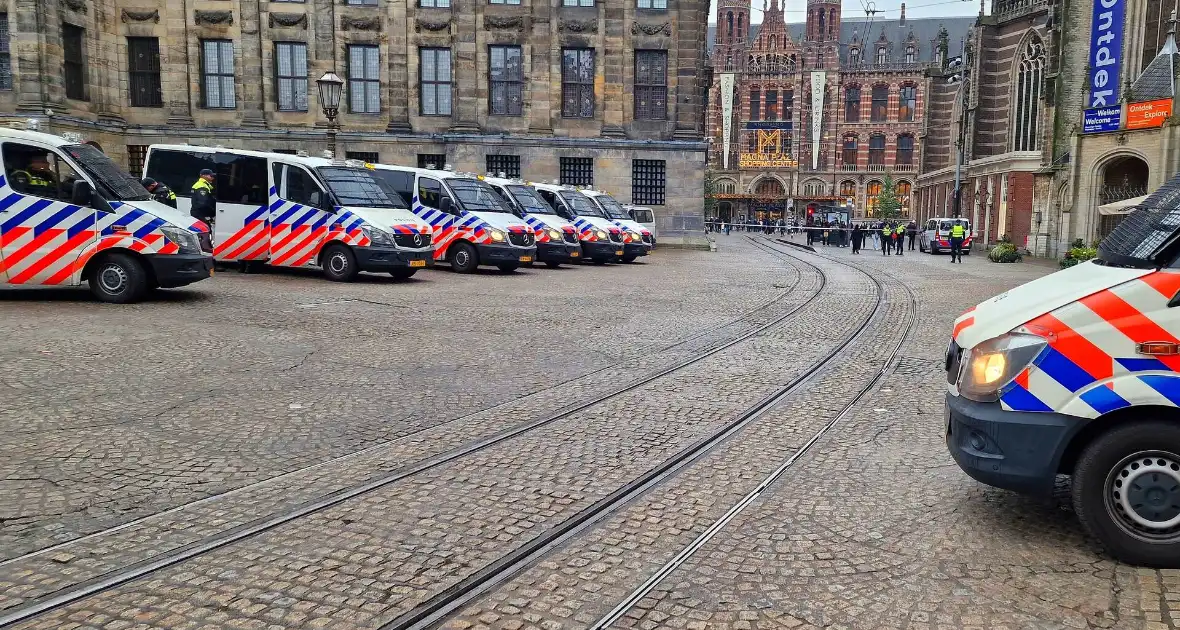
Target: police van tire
[(552, 264), (339, 263), (463, 257), (403, 274), (629, 259), (1116, 481), (508, 267), (118, 278)]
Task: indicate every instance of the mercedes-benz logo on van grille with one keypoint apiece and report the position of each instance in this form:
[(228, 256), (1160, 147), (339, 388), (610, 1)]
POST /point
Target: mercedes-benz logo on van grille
[(417, 240)]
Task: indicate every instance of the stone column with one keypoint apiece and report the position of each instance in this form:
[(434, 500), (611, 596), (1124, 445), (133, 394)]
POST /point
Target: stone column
[(688, 63), (177, 72), (251, 70), (615, 52), (30, 53), (108, 98), (465, 70), (543, 60), (399, 74)]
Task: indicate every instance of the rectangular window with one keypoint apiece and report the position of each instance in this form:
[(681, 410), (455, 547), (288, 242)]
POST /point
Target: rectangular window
[(651, 85), (577, 82), (771, 104), (653, 4), (905, 150), (5, 54), (73, 61), (434, 80), (577, 171), (877, 150), (788, 103), (291, 76), (217, 74), (880, 104), (504, 1), (647, 182), (364, 156), (437, 4), (755, 104), (504, 165), (506, 81), (852, 104), (285, 151), (364, 79), (432, 160), (136, 156), (577, 3), (143, 69), (908, 103)]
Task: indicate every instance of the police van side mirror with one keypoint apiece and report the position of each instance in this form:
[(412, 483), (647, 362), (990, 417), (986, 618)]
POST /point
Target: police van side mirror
[(82, 194), (446, 205)]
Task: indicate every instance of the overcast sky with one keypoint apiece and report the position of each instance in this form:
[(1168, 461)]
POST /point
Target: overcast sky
[(886, 9)]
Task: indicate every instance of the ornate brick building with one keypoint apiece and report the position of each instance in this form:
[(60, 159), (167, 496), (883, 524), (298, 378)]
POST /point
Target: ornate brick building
[(802, 116), (606, 93)]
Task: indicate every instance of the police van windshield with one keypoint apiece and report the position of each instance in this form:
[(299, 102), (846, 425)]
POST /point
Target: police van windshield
[(359, 187), (945, 225), (476, 195), (582, 206), (529, 199), (612, 207), (114, 183)]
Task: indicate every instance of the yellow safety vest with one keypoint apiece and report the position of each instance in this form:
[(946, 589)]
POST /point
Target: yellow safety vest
[(958, 231), (886, 231), (34, 180), (201, 184), (900, 230)]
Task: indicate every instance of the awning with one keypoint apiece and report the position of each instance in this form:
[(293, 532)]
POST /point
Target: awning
[(1121, 207)]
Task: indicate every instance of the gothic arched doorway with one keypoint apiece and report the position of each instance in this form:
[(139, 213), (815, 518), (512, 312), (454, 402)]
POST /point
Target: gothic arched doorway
[(770, 200), (1122, 178)]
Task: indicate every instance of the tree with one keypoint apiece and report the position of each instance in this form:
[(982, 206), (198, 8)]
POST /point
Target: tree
[(888, 205)]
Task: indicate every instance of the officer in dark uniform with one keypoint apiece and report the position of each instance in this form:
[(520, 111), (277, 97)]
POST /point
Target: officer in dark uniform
[(204, 204), (36, 178), (160, 192)]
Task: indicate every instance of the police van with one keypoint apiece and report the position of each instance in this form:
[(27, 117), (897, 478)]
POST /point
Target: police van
[(935, 236), (601, 240), (298, 211), (557, 238), (645, 217), (637, 241), (68, 215), (472, 225), (1078, 373)]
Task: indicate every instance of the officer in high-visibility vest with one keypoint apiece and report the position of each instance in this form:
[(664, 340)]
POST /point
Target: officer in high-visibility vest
[(886, 239), (899, 233), (36, 179), (958, 233), (160, 192), (204, 206)]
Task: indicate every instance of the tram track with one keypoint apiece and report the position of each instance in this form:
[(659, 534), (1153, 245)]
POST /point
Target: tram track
[(61, 598), (439, 608)]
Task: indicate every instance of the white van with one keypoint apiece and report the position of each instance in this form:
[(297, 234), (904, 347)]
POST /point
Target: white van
[(298, 211), (69, 214), (472, 224), (644, 216), (637, 240), (935, 236), (557, 238), (602, 241)]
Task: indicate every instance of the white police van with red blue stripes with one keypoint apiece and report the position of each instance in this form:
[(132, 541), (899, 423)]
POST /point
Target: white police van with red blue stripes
[(68, 215), (299, 211), (637, 240), (472, 224), (557, 238), (601, 240)]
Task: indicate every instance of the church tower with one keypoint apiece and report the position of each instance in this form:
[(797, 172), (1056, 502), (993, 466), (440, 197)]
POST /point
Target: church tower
[(822, 36), (733, 34)]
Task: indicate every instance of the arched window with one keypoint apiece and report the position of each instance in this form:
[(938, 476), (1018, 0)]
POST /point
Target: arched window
[(771, 104), (726, 186), (729, 26), (911, 54), (905, 150), (847, 188), (907, 105), (832, 24), (849, 151), (854, 56), (903, 191), (1028, 95), (821, 22), (852, 104), (871, 192), (741, 31), (879, 111), (881, 55), (791, 67), (877, 150), (755, 104), (769, 188), (813, 188), (1155, 29)]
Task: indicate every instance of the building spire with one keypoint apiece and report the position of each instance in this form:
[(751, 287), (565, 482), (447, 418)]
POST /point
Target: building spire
[(1169, 47)]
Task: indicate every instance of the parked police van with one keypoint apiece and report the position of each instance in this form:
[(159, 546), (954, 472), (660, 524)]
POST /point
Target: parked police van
[(637, 241), (472, 225), (645, 217), (935, 236), (1078, 373), (68, 214), (298, 211), (601, 240), (557, 238)]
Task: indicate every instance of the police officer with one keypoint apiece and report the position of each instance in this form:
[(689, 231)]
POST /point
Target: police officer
[(204, 206), (160, 192), (886, 239), (36, 179), (899, 232), (958, 233)]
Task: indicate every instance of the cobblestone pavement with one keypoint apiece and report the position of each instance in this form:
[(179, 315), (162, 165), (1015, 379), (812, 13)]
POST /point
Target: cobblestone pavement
[(873, 527)]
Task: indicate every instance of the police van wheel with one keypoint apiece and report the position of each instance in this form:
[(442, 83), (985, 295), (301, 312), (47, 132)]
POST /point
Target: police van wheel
[(508, 267), (1126, 492), (118, 279), (403, 274), (339, 264), (464, 258), (552, 264), (629, 259)]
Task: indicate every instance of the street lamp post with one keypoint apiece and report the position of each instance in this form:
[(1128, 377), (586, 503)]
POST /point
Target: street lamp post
[(330, 87)]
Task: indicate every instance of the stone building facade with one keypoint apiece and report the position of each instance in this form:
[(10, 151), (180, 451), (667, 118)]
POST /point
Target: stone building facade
[(821, 111), (593, 92)]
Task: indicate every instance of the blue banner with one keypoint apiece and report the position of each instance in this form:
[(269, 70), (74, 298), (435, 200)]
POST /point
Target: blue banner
[(768, 124), (1101, 119), (1106, 49)]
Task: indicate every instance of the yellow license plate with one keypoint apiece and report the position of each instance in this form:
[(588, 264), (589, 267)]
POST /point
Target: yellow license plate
[(575, 254), (526, 259), (417, 263), (618, 252)]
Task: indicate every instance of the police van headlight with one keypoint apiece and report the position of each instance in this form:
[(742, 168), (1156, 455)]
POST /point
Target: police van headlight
[(376, 236), (992, 364), (497, 236), (555, 235), (600, 234), (187, 241)]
